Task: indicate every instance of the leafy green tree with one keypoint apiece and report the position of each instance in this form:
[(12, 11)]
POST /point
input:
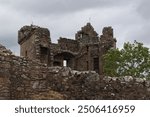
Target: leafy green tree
[(132, 60)]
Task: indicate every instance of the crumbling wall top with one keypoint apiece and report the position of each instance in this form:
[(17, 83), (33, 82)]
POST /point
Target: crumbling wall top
[(26, 31), (107, 40), (87, 34), (66, 40), (5, 51), (88, 30), (108, 31)]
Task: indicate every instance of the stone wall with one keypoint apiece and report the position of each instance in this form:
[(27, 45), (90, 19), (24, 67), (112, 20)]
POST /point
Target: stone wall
[(4, 73), (82, 53), (68, 44), (107, 39), (32, 40), (87, 35), (21, 78)]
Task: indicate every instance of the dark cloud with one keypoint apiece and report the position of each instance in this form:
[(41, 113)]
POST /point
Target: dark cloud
[(53, 7)]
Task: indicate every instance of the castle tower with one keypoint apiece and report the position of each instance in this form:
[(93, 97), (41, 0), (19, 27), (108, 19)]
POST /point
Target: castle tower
[(35, 43), (87, 35), (107, 41), (88, 40)]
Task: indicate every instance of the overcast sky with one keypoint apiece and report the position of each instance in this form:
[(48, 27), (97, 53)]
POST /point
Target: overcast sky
[(130, 19)]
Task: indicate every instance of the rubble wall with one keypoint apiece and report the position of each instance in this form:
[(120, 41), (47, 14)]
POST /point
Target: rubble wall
[(21, 78), (27, 48)]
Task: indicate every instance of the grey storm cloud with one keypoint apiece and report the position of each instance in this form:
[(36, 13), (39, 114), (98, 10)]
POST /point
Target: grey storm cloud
[(129, 18), (59, 6)]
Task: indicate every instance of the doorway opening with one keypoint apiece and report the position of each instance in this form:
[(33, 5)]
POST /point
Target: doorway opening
[(65, 63)]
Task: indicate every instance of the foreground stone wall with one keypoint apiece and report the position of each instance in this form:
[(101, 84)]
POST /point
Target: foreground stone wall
[(4, 73), (21, 78)]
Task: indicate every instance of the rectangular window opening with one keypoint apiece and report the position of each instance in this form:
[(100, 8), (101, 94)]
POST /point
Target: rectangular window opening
[(65, 63), (44, 51)]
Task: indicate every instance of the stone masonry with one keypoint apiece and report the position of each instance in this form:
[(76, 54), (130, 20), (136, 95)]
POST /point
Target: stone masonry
[(22, 78), (84, 53), (39, 72)]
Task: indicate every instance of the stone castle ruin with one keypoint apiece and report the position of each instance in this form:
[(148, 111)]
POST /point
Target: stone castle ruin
[(84, 53), (40, 72)]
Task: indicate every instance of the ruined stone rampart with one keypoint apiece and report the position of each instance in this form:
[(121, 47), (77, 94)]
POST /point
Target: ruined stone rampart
[(21, 78), (82, 53)]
